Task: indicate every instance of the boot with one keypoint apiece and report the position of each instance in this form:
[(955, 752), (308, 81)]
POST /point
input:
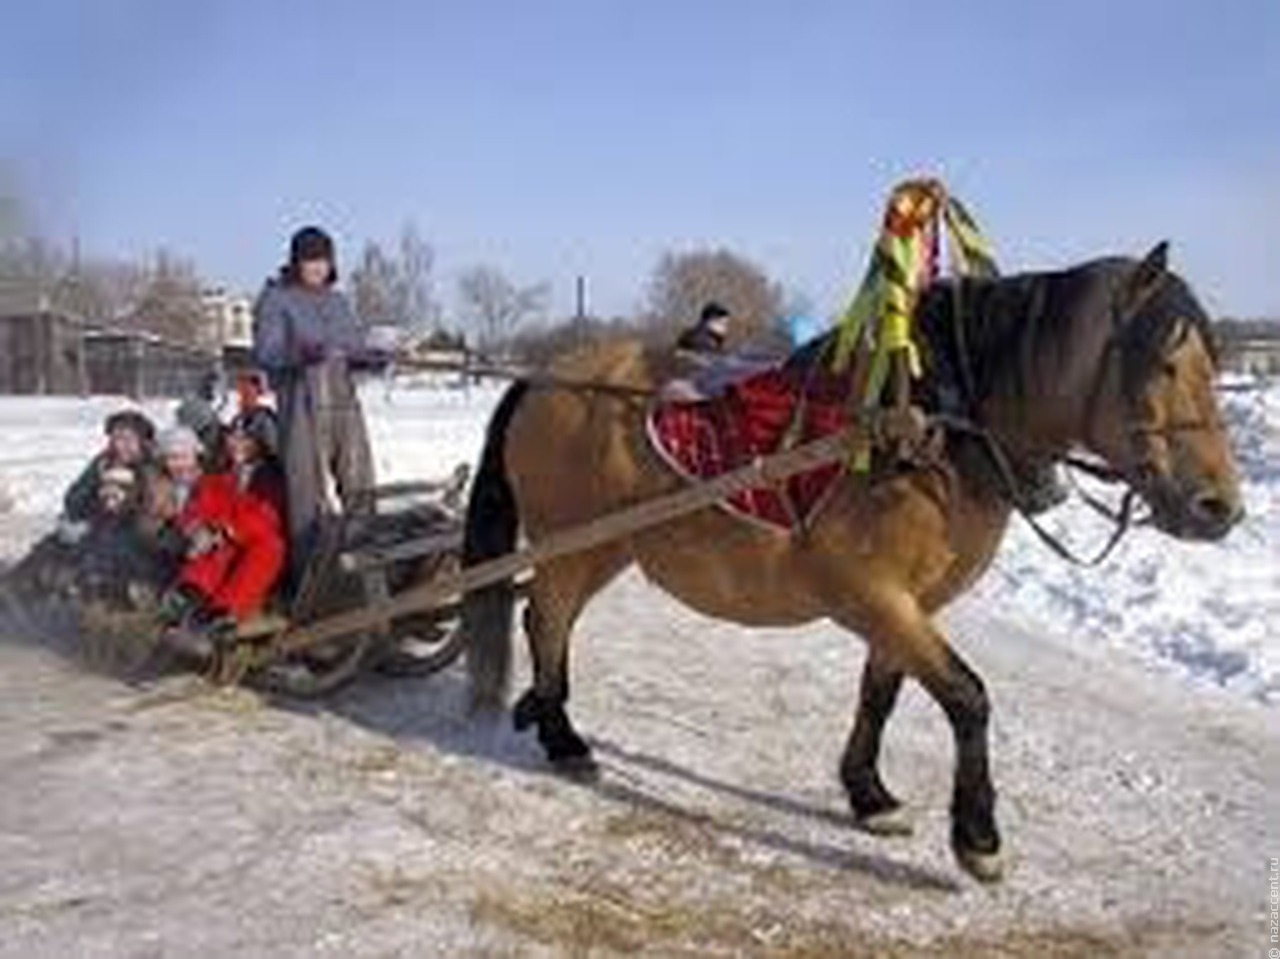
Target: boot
[(188, 643), (179, 604), (204, 634), (221, 628)]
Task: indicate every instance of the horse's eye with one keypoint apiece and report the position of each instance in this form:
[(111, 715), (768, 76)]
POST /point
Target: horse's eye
[(1169, 368)]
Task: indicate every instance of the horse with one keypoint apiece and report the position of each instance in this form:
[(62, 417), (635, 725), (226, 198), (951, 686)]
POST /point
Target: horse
[(1114, 357)]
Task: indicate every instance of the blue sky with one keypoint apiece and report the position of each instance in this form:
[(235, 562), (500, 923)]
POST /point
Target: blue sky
[(557, 137)]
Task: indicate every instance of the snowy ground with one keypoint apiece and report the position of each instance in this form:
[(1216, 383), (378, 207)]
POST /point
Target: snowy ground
[(184, 822), (1136, 747)]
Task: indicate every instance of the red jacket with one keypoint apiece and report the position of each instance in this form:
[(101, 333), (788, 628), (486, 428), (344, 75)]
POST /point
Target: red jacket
[(239, 574)]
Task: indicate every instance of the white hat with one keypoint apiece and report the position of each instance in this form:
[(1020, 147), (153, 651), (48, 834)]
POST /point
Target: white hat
[(177, 439)]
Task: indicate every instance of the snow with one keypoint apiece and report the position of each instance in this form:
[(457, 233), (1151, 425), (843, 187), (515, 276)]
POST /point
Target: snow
[(1136, 772), (1208, 613), (180, 820)]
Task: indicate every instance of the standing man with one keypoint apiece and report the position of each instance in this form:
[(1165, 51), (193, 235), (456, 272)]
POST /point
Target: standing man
[(307, 338)]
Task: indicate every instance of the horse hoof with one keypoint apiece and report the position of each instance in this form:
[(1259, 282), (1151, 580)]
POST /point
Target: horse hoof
[(887, 822), (987, 867), (526, 712), (580, 768)]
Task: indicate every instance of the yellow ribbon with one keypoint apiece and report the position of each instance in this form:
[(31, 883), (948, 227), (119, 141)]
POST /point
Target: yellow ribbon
[(879, 316)]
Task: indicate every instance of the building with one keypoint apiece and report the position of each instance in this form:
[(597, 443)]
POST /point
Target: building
[(1261, 357), (1250, 346), (128, 363), (41, 352), (229, 318), (45, 350)]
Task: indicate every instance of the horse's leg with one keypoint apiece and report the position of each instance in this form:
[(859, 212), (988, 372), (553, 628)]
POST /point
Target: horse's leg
[(905, 635), (560, 591), (876, 809)]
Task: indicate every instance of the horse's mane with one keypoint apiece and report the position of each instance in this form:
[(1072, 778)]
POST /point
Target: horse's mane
[(1028, 328)]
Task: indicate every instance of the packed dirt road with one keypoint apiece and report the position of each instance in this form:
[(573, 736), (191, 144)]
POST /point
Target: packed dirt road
[(184, 821)]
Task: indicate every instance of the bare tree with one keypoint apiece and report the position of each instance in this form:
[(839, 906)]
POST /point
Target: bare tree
[(396, 288), (373, 285), (169, 304), (417, 261), (100, 290), (683, 283), (539, 345), (30, 269), (35, 273), (160, 295), (495, 306)]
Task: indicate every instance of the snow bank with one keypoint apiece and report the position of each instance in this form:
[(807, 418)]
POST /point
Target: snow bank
[(1209, 611)]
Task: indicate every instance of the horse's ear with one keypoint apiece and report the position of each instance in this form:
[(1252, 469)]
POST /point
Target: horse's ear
[(1150, 272)]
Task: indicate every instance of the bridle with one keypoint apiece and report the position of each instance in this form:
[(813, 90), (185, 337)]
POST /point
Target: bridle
[(1136, 479), (1139, 433)]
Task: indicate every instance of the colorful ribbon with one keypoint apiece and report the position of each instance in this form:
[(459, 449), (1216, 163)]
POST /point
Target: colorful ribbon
[(877, 323)]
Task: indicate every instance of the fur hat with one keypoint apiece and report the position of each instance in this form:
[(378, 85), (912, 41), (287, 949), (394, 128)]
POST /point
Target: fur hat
[(133, 420), (310, 243), (715, 317), (117, 487), (713, 311)]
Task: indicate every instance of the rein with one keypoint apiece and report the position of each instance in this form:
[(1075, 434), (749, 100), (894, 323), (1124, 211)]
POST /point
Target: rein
[(1122, 518)]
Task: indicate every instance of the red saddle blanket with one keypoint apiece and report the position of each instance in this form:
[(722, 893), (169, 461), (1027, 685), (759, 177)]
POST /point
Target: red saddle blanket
[(703, 439)]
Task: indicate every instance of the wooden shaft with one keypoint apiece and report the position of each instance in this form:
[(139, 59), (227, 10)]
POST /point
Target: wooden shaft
[(614, 526)]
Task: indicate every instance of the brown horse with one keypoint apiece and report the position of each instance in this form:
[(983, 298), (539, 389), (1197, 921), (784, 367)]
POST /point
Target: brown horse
[(1113, 356)]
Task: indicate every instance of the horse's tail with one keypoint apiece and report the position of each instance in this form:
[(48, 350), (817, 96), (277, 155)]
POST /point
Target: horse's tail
[(492, 525)]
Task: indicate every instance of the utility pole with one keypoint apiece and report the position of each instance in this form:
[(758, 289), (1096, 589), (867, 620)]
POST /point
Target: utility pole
[(580, 315)]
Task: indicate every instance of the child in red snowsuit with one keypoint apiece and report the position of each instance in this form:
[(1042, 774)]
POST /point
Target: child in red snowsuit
[(234, 529)]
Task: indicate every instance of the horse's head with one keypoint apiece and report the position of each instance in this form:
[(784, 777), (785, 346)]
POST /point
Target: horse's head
[(1154, 415)]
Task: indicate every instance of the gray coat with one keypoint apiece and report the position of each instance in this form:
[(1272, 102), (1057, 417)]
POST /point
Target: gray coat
[(306, 341), (294, 327)]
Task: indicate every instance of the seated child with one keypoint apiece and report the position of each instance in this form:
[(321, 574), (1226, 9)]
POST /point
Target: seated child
[(233, 528), (99, 530), (130, 438), (200, 416)]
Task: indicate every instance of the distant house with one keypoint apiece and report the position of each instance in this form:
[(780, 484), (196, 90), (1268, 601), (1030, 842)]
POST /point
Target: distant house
[(228, 317), (41, 352), (1250, 346), (229, 327)]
